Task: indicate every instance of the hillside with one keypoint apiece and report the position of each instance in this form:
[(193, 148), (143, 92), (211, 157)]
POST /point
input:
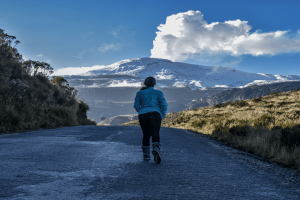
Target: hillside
[(29, 100), (244, 93), (267, 126)]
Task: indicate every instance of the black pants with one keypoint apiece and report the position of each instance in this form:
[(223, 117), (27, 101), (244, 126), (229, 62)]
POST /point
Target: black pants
[(150, 124)]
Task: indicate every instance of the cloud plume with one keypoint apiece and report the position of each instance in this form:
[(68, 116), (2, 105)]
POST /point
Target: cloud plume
[(187, 35), (108, 47), (76, 70)]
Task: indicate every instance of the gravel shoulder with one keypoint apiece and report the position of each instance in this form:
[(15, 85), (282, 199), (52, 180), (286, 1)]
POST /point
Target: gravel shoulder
[(105, 162)]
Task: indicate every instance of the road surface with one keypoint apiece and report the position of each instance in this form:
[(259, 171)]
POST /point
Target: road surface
[(99, 162)]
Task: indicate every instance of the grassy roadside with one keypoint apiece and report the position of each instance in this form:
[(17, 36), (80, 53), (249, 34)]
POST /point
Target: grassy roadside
[(267, 126)]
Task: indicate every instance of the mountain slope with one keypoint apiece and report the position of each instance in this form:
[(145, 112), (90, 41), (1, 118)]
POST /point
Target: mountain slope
[(267, 126), (244, 93), (132, 72), (110, 90)]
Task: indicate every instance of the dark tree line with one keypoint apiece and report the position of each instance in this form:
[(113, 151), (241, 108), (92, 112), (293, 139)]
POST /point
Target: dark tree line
[(9, 52), (29, 99)]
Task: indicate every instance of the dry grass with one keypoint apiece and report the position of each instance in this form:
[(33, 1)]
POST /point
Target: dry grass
[(275, 110), (267, 126)]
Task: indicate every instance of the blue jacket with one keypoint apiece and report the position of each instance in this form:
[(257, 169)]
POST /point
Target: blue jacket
[(150, 100)]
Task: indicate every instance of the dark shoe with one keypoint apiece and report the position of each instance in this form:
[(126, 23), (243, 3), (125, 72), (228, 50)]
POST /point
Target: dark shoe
[(157, 157), (147, 157), (146, 152), (156, 151)]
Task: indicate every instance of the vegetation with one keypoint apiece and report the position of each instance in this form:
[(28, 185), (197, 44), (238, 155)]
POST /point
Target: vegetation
[(29, 99), (267, 126)]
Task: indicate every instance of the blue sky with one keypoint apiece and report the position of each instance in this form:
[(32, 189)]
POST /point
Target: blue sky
[(87, 33)]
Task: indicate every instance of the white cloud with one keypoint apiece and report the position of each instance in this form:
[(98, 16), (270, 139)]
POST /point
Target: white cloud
[(108, 47), (187, 35), (88, 34), (40, 55), (24, 58), (116, 31), (84, 51), (76, 70), (103, 48)]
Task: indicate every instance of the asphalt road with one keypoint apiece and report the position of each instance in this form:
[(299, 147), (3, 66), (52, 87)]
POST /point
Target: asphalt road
[(98, 162)]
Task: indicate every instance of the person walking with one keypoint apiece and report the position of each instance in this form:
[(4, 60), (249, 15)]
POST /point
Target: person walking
[(151, 107)]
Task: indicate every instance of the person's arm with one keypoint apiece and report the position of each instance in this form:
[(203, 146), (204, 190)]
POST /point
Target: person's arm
[(137, 104), (163, 104)]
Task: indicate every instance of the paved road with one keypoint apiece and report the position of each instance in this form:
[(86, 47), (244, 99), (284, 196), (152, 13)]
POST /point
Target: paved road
[(94, 162)]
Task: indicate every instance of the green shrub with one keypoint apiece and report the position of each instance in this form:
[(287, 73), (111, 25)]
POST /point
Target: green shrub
[(240, 130), (182, 119), (198, 123), (285, 103), (264, 120), (257, 100), (83, 107), (218, 128), (222, 105), (239, 104), (290, 137)]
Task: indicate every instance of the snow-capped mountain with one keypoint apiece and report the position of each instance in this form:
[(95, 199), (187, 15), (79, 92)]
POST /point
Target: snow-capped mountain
[(132, 72), (110, 90)]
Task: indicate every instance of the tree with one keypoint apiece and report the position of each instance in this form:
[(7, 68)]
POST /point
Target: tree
[(62, 83), (9, 43), (34, 68), (9, 52), (9, 56)]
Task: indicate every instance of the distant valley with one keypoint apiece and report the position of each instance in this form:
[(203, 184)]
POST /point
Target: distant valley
[(109, 102)]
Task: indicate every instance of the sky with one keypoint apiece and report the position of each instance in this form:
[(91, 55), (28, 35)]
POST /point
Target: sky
[(253, 36)]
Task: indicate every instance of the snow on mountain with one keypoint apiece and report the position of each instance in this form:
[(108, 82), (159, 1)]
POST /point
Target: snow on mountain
[(132, 72)]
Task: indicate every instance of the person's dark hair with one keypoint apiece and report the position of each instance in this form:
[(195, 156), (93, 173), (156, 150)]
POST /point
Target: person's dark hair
[(149, 82)]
